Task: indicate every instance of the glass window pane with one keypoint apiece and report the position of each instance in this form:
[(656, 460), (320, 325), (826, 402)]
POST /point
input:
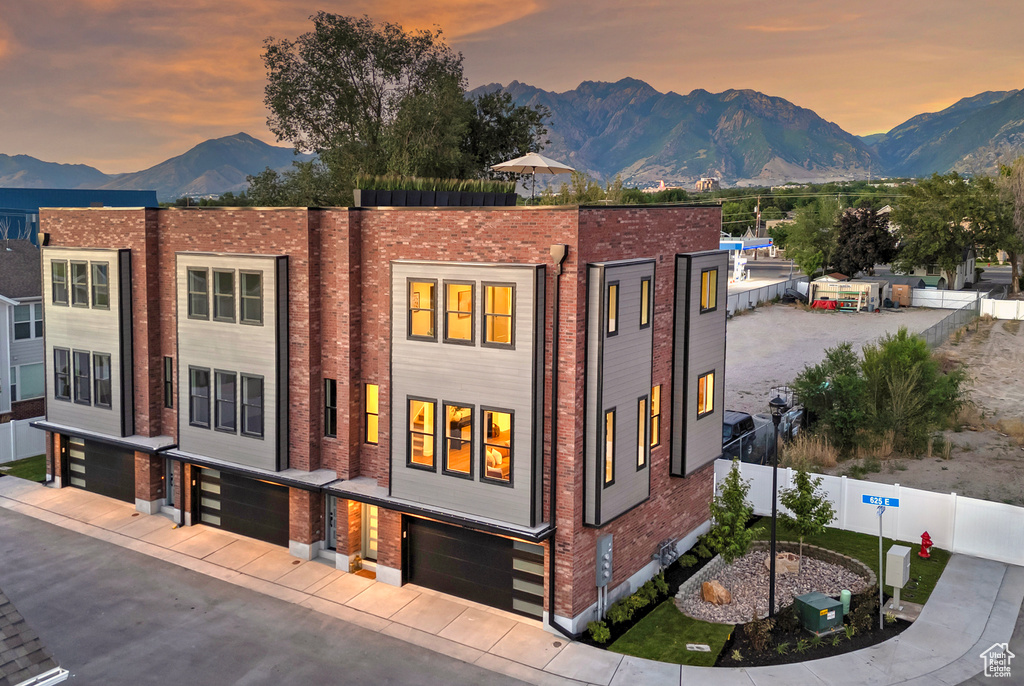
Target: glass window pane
[(371, 414), (705, 394), (59, 279), (101, 379), (252, 406), (609, 446), (22, 313), (61, 374), (225, 407), (224, 295), (80, 284), (83, 392), (30, 381), (421, 309), (641, 433), (198, 294), (459, 311), (655, 415), (497, 444), (498, 313), (421, 432), (100, 286), (645, 302), (199, 393), (613, 308), (459, 423), (252, 298)]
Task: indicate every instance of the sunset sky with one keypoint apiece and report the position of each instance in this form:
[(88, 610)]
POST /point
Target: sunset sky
[(124, 84)]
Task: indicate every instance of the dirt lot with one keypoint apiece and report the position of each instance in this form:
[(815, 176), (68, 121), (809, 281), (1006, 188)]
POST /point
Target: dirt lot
[(773, 344)]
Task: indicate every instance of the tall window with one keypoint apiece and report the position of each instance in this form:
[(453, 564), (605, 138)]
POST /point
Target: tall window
[(497, 444), (101, 379), (59, 281), (609, 447), (224, 296), (499, 315), (421, 433), (224, 406), (458, 421), (82, 381), (100, 286), (62, 374), (168, 382), (372, 412), (421, 309), (655, 416), (613, 309), (198, 294), (199, 397), (645, 303), (80, 284), (458, 312), (330, 407), (705, 394), (252, 406), (708, 290), (641, 433), (252, 297), (28, 321)]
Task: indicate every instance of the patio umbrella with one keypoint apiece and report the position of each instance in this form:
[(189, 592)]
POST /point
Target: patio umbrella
[(531, 163)]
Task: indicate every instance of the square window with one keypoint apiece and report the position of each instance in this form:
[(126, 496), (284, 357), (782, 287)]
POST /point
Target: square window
[(224, 296), (59, 281), (458, 449), (645, 303), (198, 294), (80, 284), (497, 446), (612, 308), (62, 374), (458, 312), (100, 286), (101, 379), (252, 297), (252, 406), (421, 309), (224, 407), (708, 290), (705, 394), (499, 315), (83, 394), (372, 419), (421, 433), (199, 397)]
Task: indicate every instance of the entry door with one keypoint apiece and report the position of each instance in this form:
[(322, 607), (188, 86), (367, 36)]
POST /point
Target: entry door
[(369, 519)]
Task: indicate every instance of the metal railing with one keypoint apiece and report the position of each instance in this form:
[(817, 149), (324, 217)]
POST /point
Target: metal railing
[(937, 334)]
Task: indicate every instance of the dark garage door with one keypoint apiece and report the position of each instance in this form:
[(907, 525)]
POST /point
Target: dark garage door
[(102, 469), (486, 569), (244, 506)]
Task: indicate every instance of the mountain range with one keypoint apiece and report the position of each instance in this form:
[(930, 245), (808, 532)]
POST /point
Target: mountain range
[(629, 129)]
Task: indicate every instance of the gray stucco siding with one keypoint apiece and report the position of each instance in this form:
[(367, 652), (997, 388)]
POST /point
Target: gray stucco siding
[(474, 375), (232, 347), (92, 330)]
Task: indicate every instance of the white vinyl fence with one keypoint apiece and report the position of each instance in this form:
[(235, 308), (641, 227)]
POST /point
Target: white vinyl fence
[(744, 300), (19, 440), (1003, 309), (944, 300), (961, 525)]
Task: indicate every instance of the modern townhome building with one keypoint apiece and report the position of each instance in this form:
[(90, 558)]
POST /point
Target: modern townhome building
[(463, 398), (21, 351)]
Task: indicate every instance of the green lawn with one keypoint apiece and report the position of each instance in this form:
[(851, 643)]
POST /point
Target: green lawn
[(864, 547), (31, 468), (663, 635)]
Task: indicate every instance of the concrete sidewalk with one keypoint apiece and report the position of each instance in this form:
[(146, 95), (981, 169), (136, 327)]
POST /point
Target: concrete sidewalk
[(975, 604)]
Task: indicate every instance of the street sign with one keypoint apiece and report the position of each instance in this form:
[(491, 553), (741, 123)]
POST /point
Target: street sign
[(879, 500)]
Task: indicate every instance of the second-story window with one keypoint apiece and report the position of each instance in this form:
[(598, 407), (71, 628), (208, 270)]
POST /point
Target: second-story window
[(82, 381), (458, 421), (645, 303), (458, 312), (705, 394), (100, 286), (80, 284), (224, 296), (28, 321), (330, 407), (198, 294), (224, 415), (199, 397), (59, 281), (421, 433), (499, 315), (497, 446), (62, 373), (252, 297), (101, 379), (613, 309), (708, 290), (252, 406), (421, 309), (372, 420)]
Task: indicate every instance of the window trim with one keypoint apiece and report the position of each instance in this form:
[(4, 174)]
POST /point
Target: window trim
[(242, 405), (63, 283), (471, 341), (367, 414), (189, 293), (701, 415), (75, 377), (217, 317), (604, 443), (712, 288), (35, 325), (217, 373), (192, 396), (447, 437), (168, 382), (655, 419), (643, 432), (609, 331), (73, 286), (409, 399), (57, 374), (511, 447), (93, 286), (409, 309), (242, 273), (96, 381), (511, 345), (646, 312), (330, 407)]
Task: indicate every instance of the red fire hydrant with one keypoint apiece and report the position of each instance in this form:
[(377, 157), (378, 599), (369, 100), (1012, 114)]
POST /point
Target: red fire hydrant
[(926, 543)]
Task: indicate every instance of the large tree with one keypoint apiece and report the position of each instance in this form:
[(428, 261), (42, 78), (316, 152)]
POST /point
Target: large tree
[(813, 238), (864, 240), (371, 98), (933, 224), (1011, 187)]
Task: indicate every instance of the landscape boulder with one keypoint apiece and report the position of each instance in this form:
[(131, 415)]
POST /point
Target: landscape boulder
[(785, 563), (714, 592)]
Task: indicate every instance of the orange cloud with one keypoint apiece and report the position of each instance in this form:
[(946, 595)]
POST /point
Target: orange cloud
[(784, 29)]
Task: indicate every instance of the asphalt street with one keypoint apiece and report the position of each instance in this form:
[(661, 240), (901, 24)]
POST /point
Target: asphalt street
[(112, 616)]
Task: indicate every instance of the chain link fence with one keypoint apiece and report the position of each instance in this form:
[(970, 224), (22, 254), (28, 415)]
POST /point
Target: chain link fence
[(937, 334)]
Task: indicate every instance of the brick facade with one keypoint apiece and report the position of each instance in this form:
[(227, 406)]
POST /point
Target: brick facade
[(305, 516), (149, 477)]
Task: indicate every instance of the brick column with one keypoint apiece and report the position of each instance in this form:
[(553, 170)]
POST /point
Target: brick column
[(305, 523), (53, 446), (348, 533), (149, 482), (389, 547), (186, 481)]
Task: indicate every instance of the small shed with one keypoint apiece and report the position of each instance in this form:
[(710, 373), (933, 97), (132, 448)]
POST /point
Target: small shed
[(902, 288), (848, 295)]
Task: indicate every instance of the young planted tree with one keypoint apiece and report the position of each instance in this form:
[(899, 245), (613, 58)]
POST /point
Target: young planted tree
[(810, 508), (730, 513)]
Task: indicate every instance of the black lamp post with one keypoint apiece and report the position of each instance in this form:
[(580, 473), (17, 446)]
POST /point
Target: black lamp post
[(778, 407)]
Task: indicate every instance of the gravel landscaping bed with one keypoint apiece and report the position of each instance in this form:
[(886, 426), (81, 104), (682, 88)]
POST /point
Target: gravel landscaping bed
[(747, 580)]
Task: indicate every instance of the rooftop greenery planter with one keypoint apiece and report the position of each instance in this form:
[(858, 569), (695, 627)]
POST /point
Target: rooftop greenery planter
[(398, 191)]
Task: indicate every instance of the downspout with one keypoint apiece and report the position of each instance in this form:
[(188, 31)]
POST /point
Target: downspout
[(558, 255)]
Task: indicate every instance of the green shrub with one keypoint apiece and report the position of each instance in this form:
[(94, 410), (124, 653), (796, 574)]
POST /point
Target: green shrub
[(619, 612), (759, 633), (782, 648), (801, 646), (660, 584), (599, 632)]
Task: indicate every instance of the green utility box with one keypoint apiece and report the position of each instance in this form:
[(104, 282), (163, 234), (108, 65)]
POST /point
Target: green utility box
[(819, 614)]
